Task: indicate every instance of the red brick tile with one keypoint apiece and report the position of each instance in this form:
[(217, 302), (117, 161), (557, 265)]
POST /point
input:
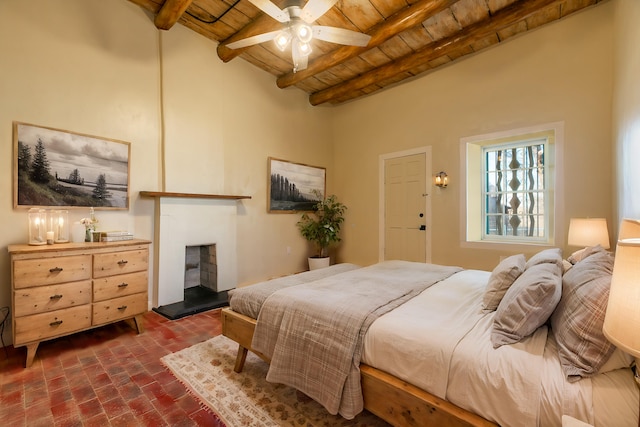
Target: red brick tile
[(99, 420), (189, 404), (13, 398), (59, 396), (140, 405), (206, 418), (106, 393), (152, 419), (115, 407), (91, 408), (83, 393), (178, 418), (57, 383), (142, 379), (163, 403), (125, 420), (65, 411), (99, 380), (36, 396)]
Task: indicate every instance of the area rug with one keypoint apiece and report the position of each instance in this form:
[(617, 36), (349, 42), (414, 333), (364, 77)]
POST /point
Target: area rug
[(247, 399)]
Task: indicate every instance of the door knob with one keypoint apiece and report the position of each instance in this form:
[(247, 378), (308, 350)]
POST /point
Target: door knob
[(423, 227)]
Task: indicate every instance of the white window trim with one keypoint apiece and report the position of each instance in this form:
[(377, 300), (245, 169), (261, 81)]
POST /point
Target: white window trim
[(558, 191)]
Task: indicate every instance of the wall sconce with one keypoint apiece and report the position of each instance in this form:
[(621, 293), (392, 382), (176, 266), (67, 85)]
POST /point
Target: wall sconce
[(442, 179)]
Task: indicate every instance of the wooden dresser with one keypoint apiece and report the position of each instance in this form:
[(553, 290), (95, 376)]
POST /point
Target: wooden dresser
[(65, 288)]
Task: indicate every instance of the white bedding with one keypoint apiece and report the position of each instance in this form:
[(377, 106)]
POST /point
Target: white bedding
[(439, 341)]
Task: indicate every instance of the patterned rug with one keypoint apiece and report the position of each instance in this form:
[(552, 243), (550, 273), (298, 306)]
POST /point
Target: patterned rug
[(247, 399)]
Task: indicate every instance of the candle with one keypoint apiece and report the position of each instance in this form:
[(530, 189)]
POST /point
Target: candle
[(49, 237)]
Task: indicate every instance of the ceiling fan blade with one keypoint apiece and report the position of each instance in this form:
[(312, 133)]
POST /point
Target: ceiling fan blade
[(314, 9), (250, 41), (340, 35), (272, 10)]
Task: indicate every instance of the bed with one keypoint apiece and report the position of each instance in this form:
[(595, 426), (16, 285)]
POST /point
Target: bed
[(448, 348)]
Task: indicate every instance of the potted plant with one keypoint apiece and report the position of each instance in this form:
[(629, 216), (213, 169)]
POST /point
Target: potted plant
[(322, 228)]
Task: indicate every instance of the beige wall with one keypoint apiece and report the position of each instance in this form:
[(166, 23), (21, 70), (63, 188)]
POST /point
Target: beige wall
[(562, 72), (93, 67), (626, 111)]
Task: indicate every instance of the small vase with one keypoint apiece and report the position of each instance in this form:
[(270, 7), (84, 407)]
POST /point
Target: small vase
[(88, 235)]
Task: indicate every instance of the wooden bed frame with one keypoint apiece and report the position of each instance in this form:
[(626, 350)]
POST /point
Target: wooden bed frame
[(394, 400)]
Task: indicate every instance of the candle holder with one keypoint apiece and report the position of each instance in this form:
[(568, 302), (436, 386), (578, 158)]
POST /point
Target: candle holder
[(37, 226), (59, 223)]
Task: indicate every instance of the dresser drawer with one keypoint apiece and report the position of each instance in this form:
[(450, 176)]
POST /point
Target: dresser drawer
[(38, 327), (48, 271), (119, 308), (119, 286), (123, 262), (53, 297)]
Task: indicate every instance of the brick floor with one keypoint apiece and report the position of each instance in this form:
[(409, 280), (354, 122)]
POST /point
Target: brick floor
[(108, 376)]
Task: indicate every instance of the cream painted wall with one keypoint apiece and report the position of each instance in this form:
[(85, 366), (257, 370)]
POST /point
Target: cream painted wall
[(626, 111), (561, 72), (94, 67)]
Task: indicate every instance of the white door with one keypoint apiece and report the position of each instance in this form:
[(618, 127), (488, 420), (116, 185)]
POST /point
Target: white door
[(405, 208)]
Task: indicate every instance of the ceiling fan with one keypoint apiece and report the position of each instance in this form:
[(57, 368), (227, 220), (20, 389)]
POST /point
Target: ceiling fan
[(298, 31)]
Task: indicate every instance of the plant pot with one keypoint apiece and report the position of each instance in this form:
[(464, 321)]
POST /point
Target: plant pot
[(316, 263)]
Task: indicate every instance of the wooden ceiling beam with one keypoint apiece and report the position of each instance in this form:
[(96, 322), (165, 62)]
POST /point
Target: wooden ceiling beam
[(170, 12), (262, 24), (402, 20), (509, 15)]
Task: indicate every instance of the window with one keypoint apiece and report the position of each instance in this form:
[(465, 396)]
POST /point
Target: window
[(511, 186)]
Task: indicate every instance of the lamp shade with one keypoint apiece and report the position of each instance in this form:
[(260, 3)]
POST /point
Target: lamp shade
[(588, 232), (622, 320), (629, 228)]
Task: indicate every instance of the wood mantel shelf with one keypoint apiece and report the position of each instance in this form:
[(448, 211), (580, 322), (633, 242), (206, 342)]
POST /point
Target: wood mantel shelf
[(191, 195)]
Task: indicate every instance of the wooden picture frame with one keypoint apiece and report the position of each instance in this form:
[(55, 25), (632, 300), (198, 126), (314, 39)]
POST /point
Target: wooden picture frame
[(291, 186), (58, 168)]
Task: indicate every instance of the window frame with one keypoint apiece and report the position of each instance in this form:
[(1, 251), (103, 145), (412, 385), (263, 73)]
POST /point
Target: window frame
[(473, 171)]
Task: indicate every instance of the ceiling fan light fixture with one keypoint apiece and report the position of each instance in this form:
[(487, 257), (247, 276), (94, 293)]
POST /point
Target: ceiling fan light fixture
[(303, 32), (303, 48), (282, 40)]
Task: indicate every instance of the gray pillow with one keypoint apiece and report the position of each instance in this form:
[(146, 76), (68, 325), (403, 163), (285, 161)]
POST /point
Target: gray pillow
[(527, 304), (553, 256), (578, 319), (502, 277)]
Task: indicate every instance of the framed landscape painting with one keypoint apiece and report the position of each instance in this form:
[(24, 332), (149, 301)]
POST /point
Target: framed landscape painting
[(294, 187), (57, 168)]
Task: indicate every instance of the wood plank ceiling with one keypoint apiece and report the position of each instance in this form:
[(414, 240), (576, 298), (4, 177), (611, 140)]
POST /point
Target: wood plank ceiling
[(408, 37)]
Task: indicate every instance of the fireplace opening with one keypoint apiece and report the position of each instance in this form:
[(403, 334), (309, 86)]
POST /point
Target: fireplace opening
[(200, 284), (201, 267)]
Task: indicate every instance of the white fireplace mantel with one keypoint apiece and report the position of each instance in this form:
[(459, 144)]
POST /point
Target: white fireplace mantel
[(186, 219)]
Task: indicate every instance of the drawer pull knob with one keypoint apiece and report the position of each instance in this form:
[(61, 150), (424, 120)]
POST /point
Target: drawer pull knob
[(122, 307), (56, 323), (55, 270), (57, 296), (122, 262), (123, 285)]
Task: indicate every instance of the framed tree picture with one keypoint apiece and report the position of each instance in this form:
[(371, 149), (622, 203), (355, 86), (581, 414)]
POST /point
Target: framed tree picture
[(54, 167), (294, 187)]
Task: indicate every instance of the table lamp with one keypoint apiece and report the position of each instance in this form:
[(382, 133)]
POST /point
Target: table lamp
[(588, 232), (622, 319)]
